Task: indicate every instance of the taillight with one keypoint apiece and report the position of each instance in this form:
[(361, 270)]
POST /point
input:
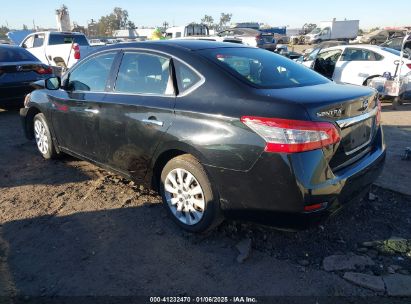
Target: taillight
[(258, 37), (408, 65), (43, 69), (76, 49), (378, 116), (291, 136)]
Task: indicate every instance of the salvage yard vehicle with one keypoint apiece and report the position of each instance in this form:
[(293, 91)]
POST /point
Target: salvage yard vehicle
[(397, 44), (61, 49), (356, 64), (18, 69), (217, 128), (380, 36), (333, 30), (251, 37)]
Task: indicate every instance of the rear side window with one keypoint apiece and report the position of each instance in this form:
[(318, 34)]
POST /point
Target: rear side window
[(263, 69), (67, 39), (186, 77), (14, 54), (142, 73), (360, 55), (92, 75)]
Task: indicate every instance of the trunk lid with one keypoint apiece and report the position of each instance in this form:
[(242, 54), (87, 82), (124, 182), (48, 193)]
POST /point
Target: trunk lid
[(352, 109)]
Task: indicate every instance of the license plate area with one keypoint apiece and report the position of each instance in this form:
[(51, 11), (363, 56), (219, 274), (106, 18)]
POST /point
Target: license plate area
[(357, 136)]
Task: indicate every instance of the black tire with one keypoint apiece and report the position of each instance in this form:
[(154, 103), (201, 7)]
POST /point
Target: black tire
[(44, 144), (373, 42), (211, 214)]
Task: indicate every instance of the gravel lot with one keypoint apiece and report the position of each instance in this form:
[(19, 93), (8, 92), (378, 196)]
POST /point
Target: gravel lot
[(70, 228)]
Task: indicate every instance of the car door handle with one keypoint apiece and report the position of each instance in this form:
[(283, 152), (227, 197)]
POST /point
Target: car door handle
[(94, 111), (153, 122)]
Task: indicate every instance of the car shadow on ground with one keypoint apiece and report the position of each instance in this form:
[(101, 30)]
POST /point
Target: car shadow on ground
[(21, 163)]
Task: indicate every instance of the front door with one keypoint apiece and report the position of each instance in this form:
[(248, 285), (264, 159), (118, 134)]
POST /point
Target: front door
[(326, 61), (76, 108), (137, 113)]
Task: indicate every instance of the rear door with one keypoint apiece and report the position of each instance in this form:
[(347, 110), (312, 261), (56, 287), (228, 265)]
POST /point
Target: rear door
[(137, 113), (356, 65), (77, 107)]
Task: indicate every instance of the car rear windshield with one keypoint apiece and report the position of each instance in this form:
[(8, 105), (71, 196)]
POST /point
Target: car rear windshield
[(262, 68), (63, 39), (395, 52), (15, 54)]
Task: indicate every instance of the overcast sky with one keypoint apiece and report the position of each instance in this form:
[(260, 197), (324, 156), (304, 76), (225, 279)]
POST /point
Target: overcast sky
[(154, 13)]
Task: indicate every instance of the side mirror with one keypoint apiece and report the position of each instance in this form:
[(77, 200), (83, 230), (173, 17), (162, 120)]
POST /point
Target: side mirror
[(300, 59), (53, 83)]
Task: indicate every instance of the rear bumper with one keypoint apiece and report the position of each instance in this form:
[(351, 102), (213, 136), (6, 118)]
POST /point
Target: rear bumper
[(268, 46), (279, 186)]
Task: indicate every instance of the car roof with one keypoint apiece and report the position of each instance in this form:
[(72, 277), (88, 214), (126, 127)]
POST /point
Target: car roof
[(355, 46), (187, 44), (58, 33)]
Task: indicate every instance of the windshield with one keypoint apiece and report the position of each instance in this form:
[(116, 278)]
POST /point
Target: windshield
[(15, 54), (395, 52), (263, 69), (316, 30), (311, 56), (67, 39)]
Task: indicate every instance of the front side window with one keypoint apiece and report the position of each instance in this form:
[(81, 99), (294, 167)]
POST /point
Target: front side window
[(92, 75), (332, 55), (142, 73), (263, 69)]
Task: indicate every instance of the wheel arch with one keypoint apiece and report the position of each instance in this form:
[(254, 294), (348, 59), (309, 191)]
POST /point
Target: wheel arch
[(164, 155), (29, 121), (364, 83)]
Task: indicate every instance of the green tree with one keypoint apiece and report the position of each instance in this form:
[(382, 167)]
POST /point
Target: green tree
[(121, 17), (117, 20), (3, 31), (208, 20), (224, 20), (131, 25)]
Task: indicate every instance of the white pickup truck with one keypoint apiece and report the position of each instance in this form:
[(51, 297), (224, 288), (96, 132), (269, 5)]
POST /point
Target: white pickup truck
[(59, 49)]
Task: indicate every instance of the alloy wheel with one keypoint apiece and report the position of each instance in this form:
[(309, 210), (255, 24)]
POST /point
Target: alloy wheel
[(40, 134), (185, 196)]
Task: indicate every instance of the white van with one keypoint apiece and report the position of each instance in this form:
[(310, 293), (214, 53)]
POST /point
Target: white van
[(187, 31)]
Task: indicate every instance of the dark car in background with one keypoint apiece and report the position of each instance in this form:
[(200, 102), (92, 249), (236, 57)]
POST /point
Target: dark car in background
[(18, 69), (251, 37), (217, 128), (380, 36), (397, 44)]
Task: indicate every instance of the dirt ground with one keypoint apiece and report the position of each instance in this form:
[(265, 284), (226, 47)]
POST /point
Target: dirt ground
[(70, 228)]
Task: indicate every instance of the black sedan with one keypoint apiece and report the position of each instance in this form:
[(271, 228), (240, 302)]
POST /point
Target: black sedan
[(217, 128), (18, 69)]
